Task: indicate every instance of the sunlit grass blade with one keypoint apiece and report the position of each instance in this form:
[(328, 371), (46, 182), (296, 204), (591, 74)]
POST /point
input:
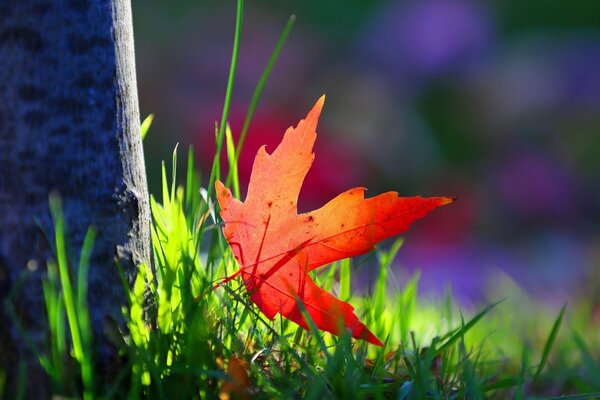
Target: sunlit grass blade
[(82, 307), (237, 297), (327, 279), (174, 172), (550, 342), (84, 267), (189, 180), (165, 186), (345, 279), (192, 185), (379, 295), (233, 170), (56, 320), (65, 280), (75, 303), (386, 258), (215, 171), (466, 327), (145, 125), (261, 83), (406, 304), (448, 306)]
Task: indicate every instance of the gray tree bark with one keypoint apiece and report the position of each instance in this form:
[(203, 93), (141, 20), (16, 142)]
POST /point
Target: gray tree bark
[(69, 122)]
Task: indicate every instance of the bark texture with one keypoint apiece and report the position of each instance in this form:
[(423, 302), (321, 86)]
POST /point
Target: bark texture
[(69, 122)]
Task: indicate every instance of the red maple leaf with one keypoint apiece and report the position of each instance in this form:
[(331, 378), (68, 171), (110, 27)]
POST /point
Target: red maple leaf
[(276, 247)]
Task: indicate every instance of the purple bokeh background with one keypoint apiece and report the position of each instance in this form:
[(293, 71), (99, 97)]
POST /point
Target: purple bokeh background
[(497, 103)]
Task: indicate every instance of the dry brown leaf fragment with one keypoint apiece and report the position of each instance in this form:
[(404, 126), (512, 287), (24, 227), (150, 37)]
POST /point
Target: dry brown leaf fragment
[(237, 386)]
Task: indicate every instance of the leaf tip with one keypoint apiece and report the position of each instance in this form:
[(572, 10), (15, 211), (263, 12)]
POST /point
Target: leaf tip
[(221, 190), (444, 200), (363, 333), (447, 200), (316, 110), (374, 340)]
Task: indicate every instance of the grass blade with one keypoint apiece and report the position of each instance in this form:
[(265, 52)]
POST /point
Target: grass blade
[(63, 271), (345, 279), (594, 395), (406, 304), (550, 342), (145, 126), (215, 171), (174, 173), (233, 170), (466, 327), (502, 384), (591, 367), (261, 83), (87, 375)]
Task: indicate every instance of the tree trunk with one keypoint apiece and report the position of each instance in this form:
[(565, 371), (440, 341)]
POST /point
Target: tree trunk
[(69, 122)]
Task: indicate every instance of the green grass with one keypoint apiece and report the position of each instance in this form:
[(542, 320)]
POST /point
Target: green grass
[(180, 335), (181, 347)]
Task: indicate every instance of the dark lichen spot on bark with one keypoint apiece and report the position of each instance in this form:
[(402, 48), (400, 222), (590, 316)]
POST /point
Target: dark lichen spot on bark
[(35, 118), (107, 83), (33, 197), (86, 80), (27, 154), (61, 130), (4, 277), (90, 141), (108, 121), (31, 92), (51, 61), (69, 106), (56, 148), (310, 218), (112, 142), (80, 45), (342, 226), (9, 132), (269, 204), (26, 37), (42, 8), (79, 5), (85, 133), (5, 11)]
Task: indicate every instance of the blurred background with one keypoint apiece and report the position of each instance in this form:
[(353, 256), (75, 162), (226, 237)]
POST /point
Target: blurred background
[(494, 102)]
